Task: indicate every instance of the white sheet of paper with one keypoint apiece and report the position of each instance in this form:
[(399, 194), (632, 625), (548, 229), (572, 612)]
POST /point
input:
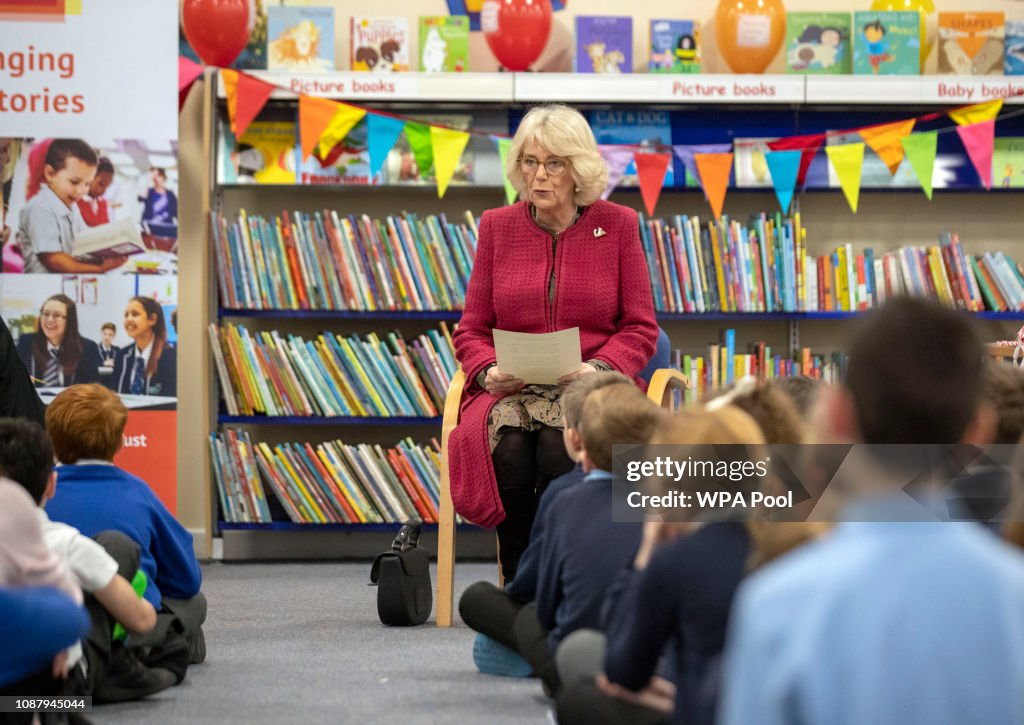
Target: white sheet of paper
[(539, 359)]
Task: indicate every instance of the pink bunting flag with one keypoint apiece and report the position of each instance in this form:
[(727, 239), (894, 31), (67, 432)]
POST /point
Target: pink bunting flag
[(617, 158), (978, 139), (187, 74)]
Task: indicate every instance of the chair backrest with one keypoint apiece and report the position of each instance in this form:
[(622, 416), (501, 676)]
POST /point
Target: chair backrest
[(662, 357)]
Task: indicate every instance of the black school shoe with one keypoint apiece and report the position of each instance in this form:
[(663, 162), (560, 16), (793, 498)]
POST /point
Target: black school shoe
[(127, 678)]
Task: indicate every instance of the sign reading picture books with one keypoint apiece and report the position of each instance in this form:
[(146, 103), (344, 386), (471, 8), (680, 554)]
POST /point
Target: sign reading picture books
[(88, 168)]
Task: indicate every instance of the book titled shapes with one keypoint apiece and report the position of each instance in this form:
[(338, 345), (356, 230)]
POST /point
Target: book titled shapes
[(300, 38), (604, 44), (971, 44), (650, 130), (818, 43), (444, 44), (380, 45), (675, 46), (1013, 64), (1008, 162), (886, 43)]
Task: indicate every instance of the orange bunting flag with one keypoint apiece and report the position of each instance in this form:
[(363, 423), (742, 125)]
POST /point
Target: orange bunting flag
[(230, 80), (886, 141), (447, 145), (315, 115), (977, 113), (651, 170), (345, 119), (251, 96), (714, 170)]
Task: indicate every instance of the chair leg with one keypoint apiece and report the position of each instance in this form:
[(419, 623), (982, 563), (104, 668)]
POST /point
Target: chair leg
[(445, 552)]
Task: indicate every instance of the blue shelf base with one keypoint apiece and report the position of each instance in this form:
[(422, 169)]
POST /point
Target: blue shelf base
[(316, 420)]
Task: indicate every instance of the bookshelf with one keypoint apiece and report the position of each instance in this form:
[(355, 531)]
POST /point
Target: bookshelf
[(888, 218)]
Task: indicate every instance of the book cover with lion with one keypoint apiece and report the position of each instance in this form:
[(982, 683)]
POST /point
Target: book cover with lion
[(971, 44), (300, 38)]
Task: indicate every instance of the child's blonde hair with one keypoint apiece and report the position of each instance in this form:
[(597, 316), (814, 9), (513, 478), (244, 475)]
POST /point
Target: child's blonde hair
[(578, 390), (616, 413)]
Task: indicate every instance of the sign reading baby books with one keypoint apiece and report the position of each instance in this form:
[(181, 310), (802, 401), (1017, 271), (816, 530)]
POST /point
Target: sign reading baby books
[(89, 173)]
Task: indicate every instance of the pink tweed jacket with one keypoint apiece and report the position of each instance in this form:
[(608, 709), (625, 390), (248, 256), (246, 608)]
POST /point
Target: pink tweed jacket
[(601, 286)]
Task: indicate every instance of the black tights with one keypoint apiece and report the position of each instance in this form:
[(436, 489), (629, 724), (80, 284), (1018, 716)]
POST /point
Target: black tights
[(524, 463)]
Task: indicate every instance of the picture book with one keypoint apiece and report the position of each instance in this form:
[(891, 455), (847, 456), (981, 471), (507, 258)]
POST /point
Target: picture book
[(400, 166), (648, 129), (380, 45), (675, 46), (347, 163), (1013, 64), (604, 44), (300, 38), (264, 154), (444, 44), (818, 43), (971, 44), (886, 43), (1008, 162), (749, 163)]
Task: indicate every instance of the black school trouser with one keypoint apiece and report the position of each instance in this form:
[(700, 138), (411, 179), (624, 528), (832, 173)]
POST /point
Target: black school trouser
[(525, 462)]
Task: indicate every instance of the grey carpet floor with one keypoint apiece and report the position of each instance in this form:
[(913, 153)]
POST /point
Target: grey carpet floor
[(301, 643)]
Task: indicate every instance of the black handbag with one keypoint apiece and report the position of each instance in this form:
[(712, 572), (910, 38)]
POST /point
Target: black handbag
[(402, 576)]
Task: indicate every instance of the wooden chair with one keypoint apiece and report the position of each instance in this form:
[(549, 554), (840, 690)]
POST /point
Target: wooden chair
[(660, 388)]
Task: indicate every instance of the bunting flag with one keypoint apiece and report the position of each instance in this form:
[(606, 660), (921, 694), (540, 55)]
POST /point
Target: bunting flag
[(345, 119), (920, 150), (713, 171), (250, 97), (382, 133), (885, 141), (188, 71), (229, 78), (979, 139), (848, 161), (977, 113), (651, 170), (504, 144), (315, 115), (617, 158), (686, 152), (784, 166), (447, 145), (808, 146), (421, 145)]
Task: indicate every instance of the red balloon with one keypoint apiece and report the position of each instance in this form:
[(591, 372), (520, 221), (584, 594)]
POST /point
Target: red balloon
[(217, 30), (516, 30)]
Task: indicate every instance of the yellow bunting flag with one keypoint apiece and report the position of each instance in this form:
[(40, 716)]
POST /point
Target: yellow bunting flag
[(714, 170), (885, 140), (447, 145), (345, 119), (230, 80), (504, 144), (977, 113), (848, 160), (315, 115)]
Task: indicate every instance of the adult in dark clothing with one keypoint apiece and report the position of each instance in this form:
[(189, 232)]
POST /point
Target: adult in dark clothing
[(56, 355), (18, 397)]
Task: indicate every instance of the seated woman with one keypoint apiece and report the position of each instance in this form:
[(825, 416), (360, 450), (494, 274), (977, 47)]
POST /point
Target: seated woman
[(55, 354), (147, 366), (559, 258)]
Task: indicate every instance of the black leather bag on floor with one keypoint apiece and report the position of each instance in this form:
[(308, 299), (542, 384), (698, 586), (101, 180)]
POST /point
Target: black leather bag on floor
[(402, 576)]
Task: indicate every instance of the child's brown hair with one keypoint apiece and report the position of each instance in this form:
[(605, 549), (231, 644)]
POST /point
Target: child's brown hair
[(578, 390), (86, 421), (617, 413)]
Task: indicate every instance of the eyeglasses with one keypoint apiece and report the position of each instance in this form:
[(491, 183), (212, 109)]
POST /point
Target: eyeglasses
[(53, 316), (554, 166)]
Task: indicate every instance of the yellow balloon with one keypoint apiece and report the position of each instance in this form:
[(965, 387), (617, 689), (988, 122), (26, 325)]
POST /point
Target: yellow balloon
[(925, 8)]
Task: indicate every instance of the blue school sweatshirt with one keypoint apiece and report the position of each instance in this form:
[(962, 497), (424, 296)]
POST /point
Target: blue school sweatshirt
[(96, 497), (582, 553), (523, 587), (35, 624)]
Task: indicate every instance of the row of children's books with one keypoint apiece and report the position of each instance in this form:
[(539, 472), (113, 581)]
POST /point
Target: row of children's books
[(330, 483), (325, 261), (267, 373), (723, 365), (764, 266)]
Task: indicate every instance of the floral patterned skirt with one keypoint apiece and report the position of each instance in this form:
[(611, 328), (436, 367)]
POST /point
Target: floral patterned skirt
[(529, 409)]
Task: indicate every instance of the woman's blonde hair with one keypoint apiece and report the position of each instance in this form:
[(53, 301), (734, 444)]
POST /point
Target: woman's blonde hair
[(564, 132)]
